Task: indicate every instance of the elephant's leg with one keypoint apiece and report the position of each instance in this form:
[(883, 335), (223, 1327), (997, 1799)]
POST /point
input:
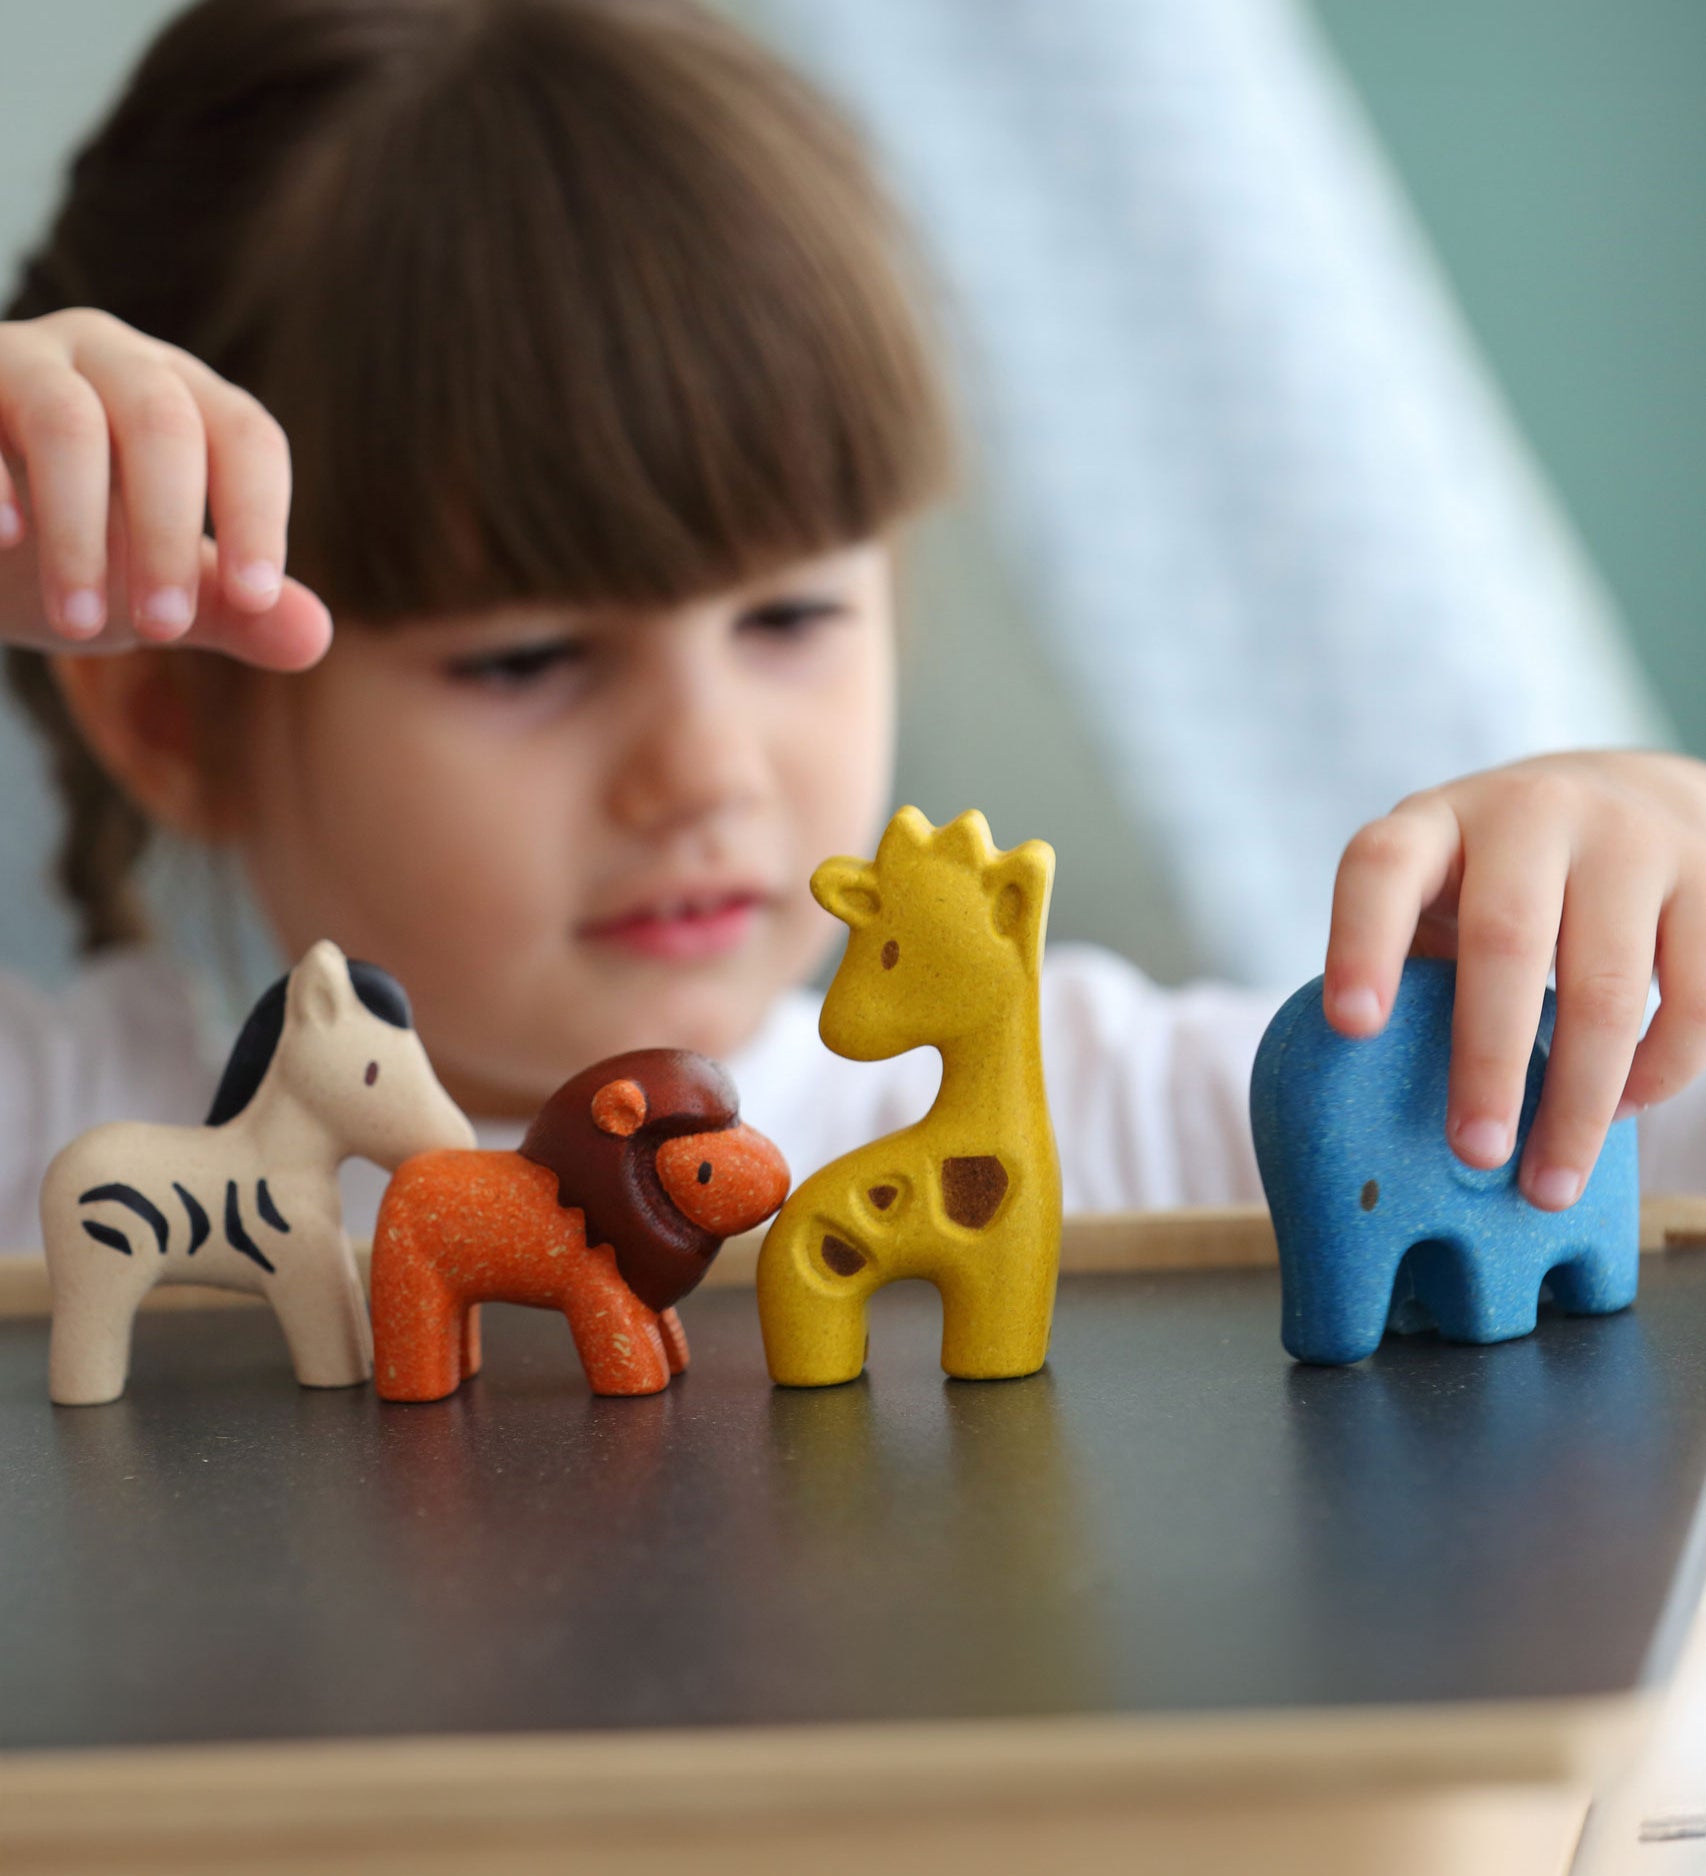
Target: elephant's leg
[(89, 1344), (1597, 1279), (1333, 1306), (471, 1353), (674, 1341), (618, 1338), (995, 1330), (417, 1329), (323, 1314), (1469, 1296), (811, 1308)]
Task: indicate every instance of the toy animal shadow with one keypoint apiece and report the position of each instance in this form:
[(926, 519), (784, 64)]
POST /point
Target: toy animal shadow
[(326, 1066), (1377, 1219), (628, 1181)]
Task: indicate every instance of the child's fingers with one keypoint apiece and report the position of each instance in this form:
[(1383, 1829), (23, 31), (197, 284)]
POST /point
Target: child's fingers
[(56, 428), (1508, 907), (161, 451), (290, 635), (1391, 869), (1605, 967), (1673, 1051), (248, 486)]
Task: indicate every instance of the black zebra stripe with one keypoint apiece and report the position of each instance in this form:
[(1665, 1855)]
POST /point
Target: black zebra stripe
[(236, 1234), (269, 1211), (145, 1209), (105, 1234), (197, 1214)]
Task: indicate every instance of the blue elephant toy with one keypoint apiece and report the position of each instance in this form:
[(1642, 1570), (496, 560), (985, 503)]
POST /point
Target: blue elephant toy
[(1379, 1222)]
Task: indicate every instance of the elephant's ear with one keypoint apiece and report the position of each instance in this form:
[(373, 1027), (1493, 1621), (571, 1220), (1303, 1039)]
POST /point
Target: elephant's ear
[(848, 889)]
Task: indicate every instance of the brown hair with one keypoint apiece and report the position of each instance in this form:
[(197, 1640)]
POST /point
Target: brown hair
[(574, 299)]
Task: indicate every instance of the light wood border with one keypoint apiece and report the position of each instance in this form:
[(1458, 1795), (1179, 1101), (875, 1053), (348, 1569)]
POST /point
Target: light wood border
[(1194, 1238)]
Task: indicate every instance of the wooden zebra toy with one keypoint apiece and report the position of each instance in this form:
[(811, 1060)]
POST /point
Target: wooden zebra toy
[(328, 1065)]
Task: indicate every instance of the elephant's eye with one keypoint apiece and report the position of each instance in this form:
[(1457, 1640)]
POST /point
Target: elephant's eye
[(1371, 1195), (704, 1172)]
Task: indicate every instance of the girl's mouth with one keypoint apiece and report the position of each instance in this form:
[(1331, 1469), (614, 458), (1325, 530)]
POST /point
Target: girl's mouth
[(680, 930)]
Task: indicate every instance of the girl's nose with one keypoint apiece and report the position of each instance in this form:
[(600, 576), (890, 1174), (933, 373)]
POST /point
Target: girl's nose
[(696, 753)]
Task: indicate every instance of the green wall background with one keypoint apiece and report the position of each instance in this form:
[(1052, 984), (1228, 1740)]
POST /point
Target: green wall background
[(1555, 152)]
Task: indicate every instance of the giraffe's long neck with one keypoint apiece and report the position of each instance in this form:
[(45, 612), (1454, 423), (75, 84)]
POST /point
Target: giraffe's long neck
[(992, 1078)]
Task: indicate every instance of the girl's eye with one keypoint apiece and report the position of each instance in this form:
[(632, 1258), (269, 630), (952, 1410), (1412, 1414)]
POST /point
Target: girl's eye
[(525, 665), (787, 618)]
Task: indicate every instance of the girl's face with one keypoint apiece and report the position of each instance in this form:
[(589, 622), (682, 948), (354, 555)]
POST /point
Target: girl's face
[(575, 832)]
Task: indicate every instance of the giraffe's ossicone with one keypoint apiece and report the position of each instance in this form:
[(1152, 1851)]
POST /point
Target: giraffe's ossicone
[(944, 948)]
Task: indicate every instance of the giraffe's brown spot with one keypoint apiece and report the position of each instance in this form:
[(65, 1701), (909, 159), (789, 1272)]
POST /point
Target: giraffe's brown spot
[(973, 1188), (841, 1256), (891, 955), (1371, 1195), (883, 1196)]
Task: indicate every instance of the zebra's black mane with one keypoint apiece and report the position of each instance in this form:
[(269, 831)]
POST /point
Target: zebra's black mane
[(257, 1041)]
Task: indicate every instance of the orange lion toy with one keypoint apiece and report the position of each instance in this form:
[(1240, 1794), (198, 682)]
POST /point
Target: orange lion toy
[(628, 1181)]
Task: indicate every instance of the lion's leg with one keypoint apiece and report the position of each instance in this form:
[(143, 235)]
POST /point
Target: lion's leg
[(674, 1341), (417, 1319), (471, 1356), (619, 1340)]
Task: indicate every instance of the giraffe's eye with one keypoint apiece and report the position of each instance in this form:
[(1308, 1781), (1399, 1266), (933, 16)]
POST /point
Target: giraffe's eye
[(704, 1172), (372, 1074), (891, 955)]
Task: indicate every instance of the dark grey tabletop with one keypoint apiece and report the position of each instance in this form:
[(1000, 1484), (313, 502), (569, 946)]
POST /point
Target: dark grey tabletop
[(1173, 1517)]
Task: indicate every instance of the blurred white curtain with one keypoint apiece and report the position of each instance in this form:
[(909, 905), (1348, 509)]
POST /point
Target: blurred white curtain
[(1277, 533)]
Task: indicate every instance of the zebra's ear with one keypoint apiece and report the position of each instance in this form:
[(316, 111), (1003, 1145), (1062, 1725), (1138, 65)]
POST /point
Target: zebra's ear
[(320, 986)]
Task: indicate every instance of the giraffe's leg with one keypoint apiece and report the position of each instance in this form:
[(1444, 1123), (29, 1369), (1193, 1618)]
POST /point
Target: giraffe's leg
[(471, 1356), (89, 1345), (674, 1341), (996, 1330), (618, 1339), (323, 1314), (813, 1319)]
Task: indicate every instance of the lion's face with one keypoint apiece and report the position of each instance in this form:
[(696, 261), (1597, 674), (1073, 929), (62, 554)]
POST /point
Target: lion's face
[(649, 1147)]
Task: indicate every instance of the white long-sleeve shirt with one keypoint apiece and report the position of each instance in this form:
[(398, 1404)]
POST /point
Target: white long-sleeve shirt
[(1148, 1087)]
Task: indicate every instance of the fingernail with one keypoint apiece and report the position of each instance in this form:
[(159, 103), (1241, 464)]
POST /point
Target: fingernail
[(170, 606), (1626, 1110), (83, 610), (1358, 1006), (261, 578), (1555, 1188), (1485, 1140), (11, 525)]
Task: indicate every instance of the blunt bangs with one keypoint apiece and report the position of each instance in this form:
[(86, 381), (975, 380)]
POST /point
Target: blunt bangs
[(585, 302)]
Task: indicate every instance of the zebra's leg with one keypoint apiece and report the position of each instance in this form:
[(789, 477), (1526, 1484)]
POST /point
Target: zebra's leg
[(324, 1318), (674, 1340), (89, 1344)]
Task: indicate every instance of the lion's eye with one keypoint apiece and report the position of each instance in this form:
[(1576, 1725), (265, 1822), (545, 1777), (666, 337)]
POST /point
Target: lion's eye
[(704, 1172), (372, 1074)]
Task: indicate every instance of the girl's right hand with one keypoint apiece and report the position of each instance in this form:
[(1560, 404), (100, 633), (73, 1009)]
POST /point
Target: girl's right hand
[(113, 448)]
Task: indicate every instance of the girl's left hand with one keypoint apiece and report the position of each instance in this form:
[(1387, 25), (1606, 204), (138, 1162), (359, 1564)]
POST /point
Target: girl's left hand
[(1599, 857)]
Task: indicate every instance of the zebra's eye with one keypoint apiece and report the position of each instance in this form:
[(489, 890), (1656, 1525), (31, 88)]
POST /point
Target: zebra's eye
[(372, 1074), (704, 1172)]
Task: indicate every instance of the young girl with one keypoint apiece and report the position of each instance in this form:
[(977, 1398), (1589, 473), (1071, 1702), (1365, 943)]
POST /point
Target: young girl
[(586, 338)]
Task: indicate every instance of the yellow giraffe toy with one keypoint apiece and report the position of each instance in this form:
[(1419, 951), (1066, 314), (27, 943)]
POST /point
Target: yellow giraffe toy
[(944, 948)]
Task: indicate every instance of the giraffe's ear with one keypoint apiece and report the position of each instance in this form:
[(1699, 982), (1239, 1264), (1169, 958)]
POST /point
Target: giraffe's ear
[(1019, 884), (848, 890)]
